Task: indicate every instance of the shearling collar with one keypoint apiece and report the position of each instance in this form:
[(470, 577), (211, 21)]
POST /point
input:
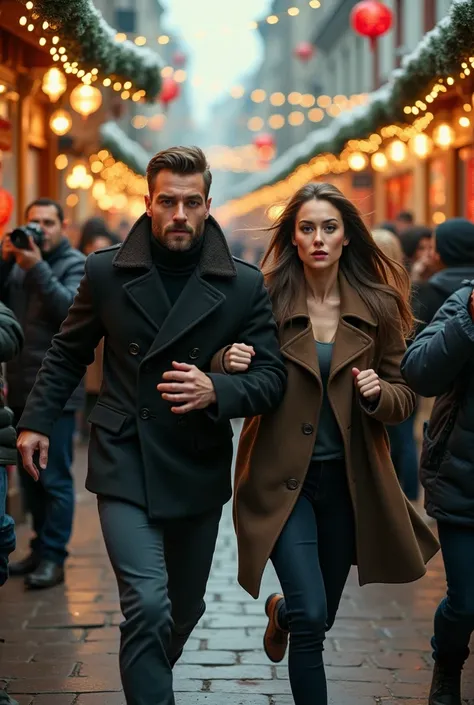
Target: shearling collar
[(215, 260)]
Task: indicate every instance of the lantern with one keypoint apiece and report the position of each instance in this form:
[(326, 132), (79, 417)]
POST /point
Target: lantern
[(60, 122), (54, 84), (379, 161), (443, 136), (397, 151), (170, 91), (265, 144), (371, 19), (304, 51), (85, 100), (357, 161), (6, 206), (421, 145), (179, 58)]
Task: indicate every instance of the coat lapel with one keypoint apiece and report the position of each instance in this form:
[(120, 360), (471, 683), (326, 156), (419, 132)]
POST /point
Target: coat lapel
[(198, 299)]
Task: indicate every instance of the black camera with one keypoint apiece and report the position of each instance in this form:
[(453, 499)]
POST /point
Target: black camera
[(20, 236)]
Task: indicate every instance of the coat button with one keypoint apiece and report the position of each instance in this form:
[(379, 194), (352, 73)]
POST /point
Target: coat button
[(307, 429), (292, 484), (133, 348), (144, 414), (194, 354)]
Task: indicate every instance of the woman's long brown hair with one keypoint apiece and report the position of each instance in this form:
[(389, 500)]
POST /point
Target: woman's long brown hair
[(371, 273)]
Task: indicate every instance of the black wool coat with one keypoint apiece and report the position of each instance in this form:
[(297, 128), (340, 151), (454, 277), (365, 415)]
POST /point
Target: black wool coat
[(440, 357), (140, 451)]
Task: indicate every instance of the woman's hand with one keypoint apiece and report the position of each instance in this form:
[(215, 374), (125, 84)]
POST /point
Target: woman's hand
[(238, 358), (368, 384)]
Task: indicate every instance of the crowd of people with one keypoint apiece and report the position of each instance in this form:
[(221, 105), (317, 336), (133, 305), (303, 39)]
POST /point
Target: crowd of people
[(325, 350)]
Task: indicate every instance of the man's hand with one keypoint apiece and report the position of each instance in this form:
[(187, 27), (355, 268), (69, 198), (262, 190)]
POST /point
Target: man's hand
[(238, 358), (28, 443), (368, 383), (7, 249), (188, 386), (26, 259)]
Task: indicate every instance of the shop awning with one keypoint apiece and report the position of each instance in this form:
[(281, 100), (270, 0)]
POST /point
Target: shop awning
[(440, 52)]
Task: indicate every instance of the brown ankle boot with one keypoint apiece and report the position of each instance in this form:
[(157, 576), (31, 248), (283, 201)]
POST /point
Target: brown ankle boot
[(275, 640), (445, 686)]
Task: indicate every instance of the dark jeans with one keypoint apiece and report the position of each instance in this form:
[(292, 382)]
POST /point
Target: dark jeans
[(7, 529), (50, 501), (312, 558), (405, 456), (454, 619), (162, 568)]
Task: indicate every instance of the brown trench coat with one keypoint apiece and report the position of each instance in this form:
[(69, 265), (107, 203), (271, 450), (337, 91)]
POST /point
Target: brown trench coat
[(393, 543)]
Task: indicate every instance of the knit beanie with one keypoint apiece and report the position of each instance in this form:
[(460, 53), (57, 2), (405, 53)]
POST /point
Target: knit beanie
[(455, 242)]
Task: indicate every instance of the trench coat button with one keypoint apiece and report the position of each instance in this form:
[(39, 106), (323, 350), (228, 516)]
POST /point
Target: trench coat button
[(307, 429), (144, 414), (292, 484), (194, 354), (133, 348)]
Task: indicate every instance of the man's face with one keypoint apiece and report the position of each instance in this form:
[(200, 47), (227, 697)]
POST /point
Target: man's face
[(47, 217), (178, 209)]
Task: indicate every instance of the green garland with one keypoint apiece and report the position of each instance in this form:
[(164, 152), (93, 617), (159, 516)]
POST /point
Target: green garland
[(439, 53), (91, 41)]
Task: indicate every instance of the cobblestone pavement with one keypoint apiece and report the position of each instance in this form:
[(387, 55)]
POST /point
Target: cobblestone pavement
[(61, 645)]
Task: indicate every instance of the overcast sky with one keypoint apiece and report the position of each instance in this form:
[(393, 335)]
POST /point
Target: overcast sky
[(221, 57)]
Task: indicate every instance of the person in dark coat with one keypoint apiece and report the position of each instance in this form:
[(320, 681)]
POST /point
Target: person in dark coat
[(160, 454), (11, 340), (454, 258), (39, 283), (439, 362)]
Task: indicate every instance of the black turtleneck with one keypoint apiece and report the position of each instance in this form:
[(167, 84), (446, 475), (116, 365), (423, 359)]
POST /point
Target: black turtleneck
[(175, 268)]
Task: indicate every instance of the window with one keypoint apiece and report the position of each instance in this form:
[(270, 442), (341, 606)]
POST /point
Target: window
[(399, 30), (126, 21)]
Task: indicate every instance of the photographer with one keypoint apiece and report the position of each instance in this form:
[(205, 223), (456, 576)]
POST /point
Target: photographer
[(39, 276)]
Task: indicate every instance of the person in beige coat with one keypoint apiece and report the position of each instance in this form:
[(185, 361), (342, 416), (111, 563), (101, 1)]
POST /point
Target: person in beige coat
[(315, 488)]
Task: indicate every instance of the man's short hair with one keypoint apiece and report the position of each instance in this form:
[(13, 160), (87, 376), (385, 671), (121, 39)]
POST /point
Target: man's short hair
[(47, 202), (405, 216), (180, 160)]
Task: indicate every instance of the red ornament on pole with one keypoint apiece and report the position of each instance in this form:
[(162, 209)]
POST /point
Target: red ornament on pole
[(6, 206), (265, 144), (179, 58), (371, 19), (304, 51), (170, 91)]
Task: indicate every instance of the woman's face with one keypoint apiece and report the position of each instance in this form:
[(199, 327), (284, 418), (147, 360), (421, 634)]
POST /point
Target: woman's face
[(319, 234), (424, 250)]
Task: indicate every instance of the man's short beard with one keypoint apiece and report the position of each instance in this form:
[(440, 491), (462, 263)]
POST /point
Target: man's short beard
[(176, 245)]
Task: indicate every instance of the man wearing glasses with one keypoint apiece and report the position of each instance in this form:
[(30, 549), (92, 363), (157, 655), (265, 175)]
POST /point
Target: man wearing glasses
[(39, 275)]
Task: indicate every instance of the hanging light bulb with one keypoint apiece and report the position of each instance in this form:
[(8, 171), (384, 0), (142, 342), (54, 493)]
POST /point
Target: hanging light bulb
[(60, 122), (54, 84), (421, 145), (397, 151), (86, 100), (357, 161), (379, 161), (443, 135)]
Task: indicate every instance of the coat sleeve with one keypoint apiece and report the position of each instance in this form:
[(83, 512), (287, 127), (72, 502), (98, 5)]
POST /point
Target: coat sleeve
[(397, 401), (261, 389), (57, 295), (65, 363), (11, 335), (434, 359)]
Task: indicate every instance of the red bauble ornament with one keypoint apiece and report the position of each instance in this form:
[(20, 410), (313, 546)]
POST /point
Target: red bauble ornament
[(6, 206), (170, 91), (304, 51), (179, 58), (265, 144), (371, 19)]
